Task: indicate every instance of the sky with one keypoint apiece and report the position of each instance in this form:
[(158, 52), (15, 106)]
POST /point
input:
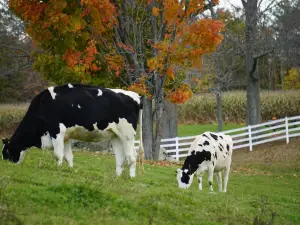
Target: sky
[(227, 3)]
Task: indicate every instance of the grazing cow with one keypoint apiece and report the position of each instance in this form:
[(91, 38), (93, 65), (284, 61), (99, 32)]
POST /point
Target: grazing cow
[(209, 152), (86, 113)]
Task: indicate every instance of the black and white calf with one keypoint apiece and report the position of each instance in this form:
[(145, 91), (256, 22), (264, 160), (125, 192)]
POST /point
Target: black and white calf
[(87, 113), (209, 152)]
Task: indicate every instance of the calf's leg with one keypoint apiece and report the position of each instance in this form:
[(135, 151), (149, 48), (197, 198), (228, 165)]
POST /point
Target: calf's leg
[(210, 178), (226, 176), (219, 180)]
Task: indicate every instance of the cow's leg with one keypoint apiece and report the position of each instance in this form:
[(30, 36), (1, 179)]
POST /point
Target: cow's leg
[(68, 153), (219, 180), (119, 155), (58, 144), (126, 134), (130, 154), (200, 182), (58, 150), (226, 176), (210, 178), (132, 161)]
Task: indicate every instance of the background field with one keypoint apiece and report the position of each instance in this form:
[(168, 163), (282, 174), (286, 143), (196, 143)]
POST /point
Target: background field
[(202, 109), (263, 182)]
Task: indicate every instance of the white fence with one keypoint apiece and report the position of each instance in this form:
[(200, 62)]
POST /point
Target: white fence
[(248, 136)]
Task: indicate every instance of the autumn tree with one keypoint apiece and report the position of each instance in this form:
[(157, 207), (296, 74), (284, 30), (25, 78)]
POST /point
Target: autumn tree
[(148, 45)]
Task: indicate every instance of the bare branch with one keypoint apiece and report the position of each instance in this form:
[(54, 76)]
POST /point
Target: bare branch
[(264, 54), (20, 68), (14, 48)]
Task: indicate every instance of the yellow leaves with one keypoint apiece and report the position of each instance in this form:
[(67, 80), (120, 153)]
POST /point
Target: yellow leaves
[(197, 63), (155, 11), (152, 64), (292, 80), (115, 63), (170, 73)]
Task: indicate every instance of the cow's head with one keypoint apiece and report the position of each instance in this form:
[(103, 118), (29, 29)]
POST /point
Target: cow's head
[(9, 152), (184, 178)]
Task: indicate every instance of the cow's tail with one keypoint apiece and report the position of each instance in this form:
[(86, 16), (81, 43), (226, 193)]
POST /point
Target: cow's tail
[(141, 148)]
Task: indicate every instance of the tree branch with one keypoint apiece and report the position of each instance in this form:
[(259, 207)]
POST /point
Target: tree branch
[(14, 48)]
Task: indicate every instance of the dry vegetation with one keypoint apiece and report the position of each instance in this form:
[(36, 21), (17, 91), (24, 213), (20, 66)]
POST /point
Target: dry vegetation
[(271, 157), (10, 117), (203, 108)]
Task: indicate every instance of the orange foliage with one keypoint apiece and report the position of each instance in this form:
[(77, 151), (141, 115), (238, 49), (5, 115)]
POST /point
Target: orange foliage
[(141, 87), (170, 73), (63, 23), (180, 94), (71, 28), (115, 63), (72, 57), (155, 11), (86, 59)]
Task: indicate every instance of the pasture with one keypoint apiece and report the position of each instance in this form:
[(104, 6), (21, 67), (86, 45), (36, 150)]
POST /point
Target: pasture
[(263, 182)]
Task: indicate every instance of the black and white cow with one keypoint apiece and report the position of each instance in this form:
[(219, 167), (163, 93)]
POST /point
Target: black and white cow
[(87, 113), (209, 152)]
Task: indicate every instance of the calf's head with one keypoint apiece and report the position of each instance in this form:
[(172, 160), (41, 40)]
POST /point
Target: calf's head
[(186, 173), (9, 151), (184, 178)]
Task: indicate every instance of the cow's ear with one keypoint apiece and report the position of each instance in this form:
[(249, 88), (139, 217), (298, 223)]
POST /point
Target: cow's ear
[(5, 141)]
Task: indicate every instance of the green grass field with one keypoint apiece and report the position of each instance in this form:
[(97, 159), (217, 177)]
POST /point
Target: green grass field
[(38, 192), (194, 129)]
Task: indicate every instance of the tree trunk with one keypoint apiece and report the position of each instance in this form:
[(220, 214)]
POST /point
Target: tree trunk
[(159, 107), (282, 75), (169, 120), (219, 109), (147, 128), (257, 94), (253, 100), (269, 76)]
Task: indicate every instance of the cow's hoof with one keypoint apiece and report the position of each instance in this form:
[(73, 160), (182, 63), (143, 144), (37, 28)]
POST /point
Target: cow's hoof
[(212, 192)]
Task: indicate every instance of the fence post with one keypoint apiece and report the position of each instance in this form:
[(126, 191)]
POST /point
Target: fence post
[(250, 138), (287, 130), (177, 149)]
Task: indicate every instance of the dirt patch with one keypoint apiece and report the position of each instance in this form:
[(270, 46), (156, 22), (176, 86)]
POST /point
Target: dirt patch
[(273, 152)]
